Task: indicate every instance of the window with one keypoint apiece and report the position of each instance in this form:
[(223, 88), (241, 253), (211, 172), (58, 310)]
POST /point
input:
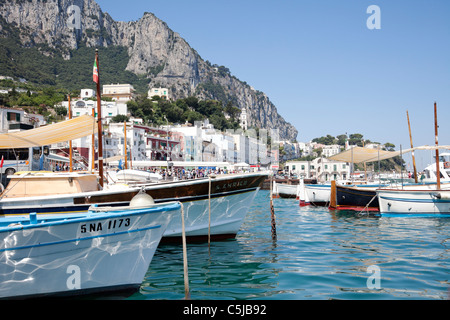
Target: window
[(15, 154)]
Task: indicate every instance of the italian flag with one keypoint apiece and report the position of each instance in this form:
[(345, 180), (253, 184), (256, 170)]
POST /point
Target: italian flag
[(95, 72)]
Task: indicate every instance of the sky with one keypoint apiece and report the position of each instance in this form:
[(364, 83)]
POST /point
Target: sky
[(321, 65)]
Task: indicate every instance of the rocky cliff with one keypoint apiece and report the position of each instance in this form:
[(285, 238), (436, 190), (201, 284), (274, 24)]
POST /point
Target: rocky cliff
[(155, 52)]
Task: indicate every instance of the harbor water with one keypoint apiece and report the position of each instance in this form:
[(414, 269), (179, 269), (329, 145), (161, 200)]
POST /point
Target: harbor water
[(318, 254)]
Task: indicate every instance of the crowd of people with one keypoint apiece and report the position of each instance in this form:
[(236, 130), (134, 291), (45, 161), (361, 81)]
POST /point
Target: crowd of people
[(185, 174)]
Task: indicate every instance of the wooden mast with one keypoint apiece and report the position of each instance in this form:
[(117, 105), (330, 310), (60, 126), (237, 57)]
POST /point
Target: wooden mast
[(99, 123), (125, 144), (438, 172), (412, 153), (70, 142)]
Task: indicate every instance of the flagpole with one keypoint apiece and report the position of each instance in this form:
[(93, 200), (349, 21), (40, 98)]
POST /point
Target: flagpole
[(99, 121)]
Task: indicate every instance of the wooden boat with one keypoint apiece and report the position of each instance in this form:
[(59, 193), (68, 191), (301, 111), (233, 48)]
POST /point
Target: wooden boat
[(395, 202), (424, 201), (356, 198), (72, 254), (228, 196)]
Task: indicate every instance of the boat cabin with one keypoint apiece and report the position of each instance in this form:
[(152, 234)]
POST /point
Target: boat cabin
[(444, 168), (31, 184)]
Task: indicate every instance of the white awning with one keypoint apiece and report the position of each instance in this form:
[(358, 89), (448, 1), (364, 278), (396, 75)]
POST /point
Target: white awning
[(59, 132), (359, 154)]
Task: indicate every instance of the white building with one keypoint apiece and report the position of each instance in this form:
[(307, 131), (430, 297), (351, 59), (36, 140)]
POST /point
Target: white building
[(331, 150), (87, 93), (118, 92), (12, 119), (110, 109), (160, 92), (136, 141), (191, 141), (322, 169)]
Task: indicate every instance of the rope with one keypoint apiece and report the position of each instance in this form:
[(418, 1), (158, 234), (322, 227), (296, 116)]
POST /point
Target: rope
[(367, 206), (9, 189)]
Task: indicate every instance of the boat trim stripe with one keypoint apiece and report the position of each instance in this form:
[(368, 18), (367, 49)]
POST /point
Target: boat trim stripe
[(79, 239), (416, 200)]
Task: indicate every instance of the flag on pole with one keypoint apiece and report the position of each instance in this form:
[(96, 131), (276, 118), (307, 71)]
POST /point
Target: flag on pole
[(1, 163), (95, 72)]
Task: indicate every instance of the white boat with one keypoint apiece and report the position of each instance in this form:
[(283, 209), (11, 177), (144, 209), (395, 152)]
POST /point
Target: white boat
[(414, 202), (228, 196), (284, 190), (131, 175), (318, 194), (97, 251)]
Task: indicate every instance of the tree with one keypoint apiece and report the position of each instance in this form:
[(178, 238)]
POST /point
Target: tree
[(328, 140), (119, 118), (389, 146), (341, 139)]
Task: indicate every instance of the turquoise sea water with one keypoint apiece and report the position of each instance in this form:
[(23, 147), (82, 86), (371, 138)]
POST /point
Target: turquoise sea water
[(318, 254)]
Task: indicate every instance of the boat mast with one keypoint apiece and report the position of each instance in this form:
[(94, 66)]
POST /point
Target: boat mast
[(99, 123), (412, 147), (125, 144), (70, 142), (438, 172)]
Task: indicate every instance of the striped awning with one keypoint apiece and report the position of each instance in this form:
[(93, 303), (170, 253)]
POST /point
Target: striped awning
[(59, 132)]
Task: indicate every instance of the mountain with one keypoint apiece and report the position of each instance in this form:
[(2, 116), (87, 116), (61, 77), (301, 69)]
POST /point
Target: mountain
[(59, 36)]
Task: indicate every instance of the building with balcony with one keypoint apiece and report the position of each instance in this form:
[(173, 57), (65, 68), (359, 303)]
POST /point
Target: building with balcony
[(163, 93), (118, 92)]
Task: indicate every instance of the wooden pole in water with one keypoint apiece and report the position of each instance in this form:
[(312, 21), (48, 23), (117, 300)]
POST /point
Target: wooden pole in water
[(412, 153), (185, 264), (438, 171), (209, 211), (333, 194), (272, 211)]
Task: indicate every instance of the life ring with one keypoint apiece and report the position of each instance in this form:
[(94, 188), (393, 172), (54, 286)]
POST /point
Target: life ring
[(446, 165)]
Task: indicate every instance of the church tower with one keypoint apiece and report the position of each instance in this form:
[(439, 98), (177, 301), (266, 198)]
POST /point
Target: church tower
[(243, 122)]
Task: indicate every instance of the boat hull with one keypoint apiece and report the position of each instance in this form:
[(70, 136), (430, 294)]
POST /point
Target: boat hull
[(287, 190), (318, 195), (356, 198), (73, 255), (414, 202)]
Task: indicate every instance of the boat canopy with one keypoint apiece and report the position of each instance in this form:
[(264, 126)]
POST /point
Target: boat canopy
[(59, 132), (360, 154)]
